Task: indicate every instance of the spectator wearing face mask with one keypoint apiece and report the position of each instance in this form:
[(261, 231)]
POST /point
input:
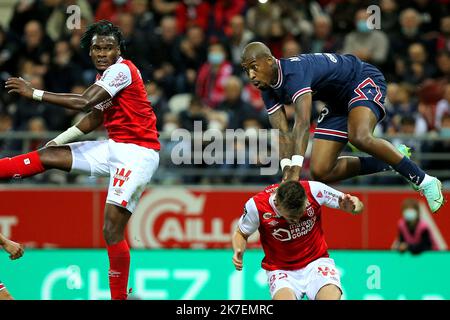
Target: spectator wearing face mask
[(368, 45), (212, 76), (414, 235)]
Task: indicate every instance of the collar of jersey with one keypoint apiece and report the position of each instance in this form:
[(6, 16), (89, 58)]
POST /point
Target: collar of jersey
[(280, 76), (119, 60), (272, 204)]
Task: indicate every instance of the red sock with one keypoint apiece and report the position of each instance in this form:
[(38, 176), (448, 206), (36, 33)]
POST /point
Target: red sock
[(22, 166), (119, 267)]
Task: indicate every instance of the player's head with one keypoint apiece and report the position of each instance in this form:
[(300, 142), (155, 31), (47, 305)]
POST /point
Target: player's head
[(105, 43), (290, 200), (259, 64)]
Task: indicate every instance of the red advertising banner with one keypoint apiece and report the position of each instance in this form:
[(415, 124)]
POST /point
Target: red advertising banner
[(181, 217)]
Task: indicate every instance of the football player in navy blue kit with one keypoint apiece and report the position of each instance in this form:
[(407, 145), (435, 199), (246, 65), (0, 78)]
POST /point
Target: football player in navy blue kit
[(354, 93)]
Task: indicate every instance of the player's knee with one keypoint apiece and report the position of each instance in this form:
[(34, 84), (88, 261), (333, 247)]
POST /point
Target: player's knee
[(360, 140), (54, 156), (319, 172), (111, 232)]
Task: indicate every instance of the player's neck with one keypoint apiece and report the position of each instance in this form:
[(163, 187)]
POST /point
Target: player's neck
[(275, 72)]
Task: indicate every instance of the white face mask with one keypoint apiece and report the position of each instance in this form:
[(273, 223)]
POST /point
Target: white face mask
[(410, 214)]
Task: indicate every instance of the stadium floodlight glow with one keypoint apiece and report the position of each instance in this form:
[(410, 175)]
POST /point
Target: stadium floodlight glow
[(262, 1)]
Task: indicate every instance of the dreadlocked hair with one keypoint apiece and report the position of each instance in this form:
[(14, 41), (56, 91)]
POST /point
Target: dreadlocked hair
[(101, 28)]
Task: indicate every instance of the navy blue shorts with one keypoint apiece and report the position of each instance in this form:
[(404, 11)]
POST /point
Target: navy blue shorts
[(369, 90)]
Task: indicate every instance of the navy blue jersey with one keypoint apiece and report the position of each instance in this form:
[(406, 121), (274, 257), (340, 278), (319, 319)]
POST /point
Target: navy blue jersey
[(330, 77)]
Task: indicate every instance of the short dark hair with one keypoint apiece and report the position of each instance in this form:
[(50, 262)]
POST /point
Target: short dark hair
[(102, 28), (291, 196)]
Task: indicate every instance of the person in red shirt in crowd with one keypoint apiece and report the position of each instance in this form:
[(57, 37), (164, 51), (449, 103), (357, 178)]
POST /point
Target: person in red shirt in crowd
[(15, 251), (288, 217), (118, 100), (111, 9), (192, 12), (210, 85)]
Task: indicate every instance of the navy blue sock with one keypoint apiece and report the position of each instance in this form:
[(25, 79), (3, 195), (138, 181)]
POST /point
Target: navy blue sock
[(410, 171), (371, 165)]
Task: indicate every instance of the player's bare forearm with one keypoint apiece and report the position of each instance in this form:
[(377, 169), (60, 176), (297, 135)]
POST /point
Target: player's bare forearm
[(278, 121), (2, 239), (303, 107), (300, 132), (239, 242), (90, 121), (81, 102)]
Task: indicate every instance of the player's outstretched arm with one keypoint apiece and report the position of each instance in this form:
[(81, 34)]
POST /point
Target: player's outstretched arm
[(351, 204), (14, 249), (88, 123), (81, 102), (300, 133), (239, 242)]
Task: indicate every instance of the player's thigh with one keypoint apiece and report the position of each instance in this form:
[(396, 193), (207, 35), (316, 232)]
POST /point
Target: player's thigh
[(320, 273), (90, 157), (131, 169), (284, 285), (329, 292), (366, 104), (284, 294), (330, 137)]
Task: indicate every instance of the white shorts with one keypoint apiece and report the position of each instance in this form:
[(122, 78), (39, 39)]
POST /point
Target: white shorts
[(308, 280), (129, 166)]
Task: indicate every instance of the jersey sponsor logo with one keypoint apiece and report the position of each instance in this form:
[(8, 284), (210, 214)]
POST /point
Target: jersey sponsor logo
[(282, 234), (119, 80), (319, 194), (121, 177), (295, 231), (104, 105)]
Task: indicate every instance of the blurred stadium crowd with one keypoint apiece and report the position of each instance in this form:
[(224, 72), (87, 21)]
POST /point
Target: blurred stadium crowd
[(189, 55)]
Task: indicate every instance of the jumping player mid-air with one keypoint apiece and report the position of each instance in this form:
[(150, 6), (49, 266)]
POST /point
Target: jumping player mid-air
[(289, 219), (15, 251), (117, 100), (354, 93)]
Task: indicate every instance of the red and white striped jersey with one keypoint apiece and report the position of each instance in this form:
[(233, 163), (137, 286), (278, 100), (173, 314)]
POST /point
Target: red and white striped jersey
[(289, 246), (128, 115)]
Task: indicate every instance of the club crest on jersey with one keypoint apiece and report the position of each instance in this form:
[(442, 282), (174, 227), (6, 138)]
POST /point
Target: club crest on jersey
[(267, 215), (121, 177)]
